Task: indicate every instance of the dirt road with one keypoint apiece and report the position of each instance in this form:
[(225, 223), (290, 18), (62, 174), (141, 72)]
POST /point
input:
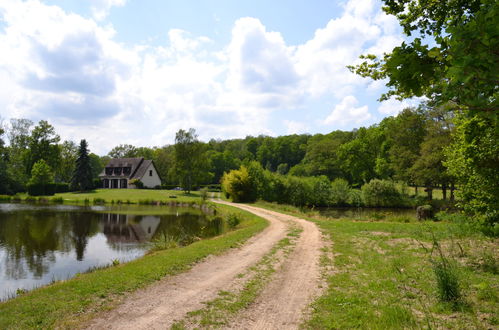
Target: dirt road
[(282, 303)]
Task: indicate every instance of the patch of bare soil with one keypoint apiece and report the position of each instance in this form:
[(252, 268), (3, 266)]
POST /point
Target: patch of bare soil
[(161, 304), (284, 302)]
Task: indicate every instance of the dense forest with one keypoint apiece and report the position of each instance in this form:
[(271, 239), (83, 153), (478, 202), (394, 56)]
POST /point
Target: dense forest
[(409, 147)]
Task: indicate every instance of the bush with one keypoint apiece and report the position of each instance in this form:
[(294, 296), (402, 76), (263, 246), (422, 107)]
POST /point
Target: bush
[(381, 193), (137, 183), (97, 183), (233, 220), (340, 192), (61, 187), (41, 189), (355, 198), (239, 185)]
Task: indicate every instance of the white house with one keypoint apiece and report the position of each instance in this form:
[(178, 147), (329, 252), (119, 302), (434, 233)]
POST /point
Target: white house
[(120, 171)]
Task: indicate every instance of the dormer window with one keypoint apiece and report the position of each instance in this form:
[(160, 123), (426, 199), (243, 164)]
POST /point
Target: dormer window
[(127, 170), (117, 170), (109, 171)]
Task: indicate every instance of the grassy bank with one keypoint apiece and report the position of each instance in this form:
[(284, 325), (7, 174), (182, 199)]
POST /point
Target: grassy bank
[(69, 303), (383, 275), (114, 196)]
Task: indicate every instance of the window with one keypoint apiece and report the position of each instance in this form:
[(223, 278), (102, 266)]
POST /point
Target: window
[(150, 172)]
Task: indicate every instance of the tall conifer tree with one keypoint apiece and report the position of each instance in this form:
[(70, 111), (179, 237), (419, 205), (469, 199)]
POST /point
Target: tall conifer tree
[(82, 176)]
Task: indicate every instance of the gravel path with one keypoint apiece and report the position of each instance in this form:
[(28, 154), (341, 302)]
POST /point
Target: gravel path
[(281, 304)]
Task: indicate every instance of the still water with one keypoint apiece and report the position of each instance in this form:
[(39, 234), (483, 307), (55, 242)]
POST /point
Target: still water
[(43, 243)]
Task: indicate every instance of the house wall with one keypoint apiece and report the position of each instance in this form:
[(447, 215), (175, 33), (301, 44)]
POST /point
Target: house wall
[(151, 181)]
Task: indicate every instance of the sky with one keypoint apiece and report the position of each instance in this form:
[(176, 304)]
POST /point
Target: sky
[(136, 71)]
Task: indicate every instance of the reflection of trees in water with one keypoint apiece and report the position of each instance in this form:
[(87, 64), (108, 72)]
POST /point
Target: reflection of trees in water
[(32, 238), (84, 225), (185, 228)]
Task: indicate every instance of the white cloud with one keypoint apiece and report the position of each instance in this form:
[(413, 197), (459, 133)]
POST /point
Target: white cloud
[(346, 112), (393, 106), (295, 127), (101, 8), (70, 70)]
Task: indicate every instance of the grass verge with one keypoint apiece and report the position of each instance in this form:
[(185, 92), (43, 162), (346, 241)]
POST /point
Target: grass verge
[(384, 275), (70, 303)]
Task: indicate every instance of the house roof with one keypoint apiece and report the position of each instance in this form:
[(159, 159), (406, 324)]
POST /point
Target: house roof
[(138, 167), (141, 170)]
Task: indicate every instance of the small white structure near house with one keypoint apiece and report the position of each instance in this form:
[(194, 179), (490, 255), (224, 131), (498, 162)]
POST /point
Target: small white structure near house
[(120, 171)]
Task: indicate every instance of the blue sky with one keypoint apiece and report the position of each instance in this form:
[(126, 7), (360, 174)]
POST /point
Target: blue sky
[(130, 71)]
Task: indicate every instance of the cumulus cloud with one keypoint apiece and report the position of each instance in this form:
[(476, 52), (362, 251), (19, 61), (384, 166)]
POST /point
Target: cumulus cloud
[(347, 112), (101, 8), (69, 69), (393, 106), (295, 127)]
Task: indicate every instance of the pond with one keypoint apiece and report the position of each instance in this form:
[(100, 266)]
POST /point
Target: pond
[(363, 213), (44, 243)]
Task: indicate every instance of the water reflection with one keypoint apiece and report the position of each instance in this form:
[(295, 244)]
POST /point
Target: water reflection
[(39, 244)]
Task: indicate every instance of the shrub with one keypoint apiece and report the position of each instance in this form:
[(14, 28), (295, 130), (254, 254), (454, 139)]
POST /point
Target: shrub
[(340, 192), (381, 193), (61, 187), (41, 189), (355, 198), (239, 185), (137, 183), (233, 220), (99, 201), (299, 191)]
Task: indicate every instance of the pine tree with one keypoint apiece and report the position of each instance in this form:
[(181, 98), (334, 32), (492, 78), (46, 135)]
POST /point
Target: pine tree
[(82, 176)]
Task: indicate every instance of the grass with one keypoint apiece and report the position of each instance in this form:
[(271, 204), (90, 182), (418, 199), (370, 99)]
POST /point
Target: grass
[(124, 196), (383, 276), (70, 303)]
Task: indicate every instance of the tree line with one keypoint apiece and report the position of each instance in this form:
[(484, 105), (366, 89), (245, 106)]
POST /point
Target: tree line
[(409, 147)]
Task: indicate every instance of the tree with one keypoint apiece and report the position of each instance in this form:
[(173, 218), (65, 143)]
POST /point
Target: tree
[(358, 157), (429, 169), (69, 153), (461, 66), (124, 151), (43, 144), (404, 135), (19, 134), (82, 177), (473, 158), (41, 173), (5, 185), (190, 160)]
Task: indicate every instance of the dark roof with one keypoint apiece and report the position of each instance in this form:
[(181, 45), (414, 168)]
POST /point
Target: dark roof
[(138, 167), (141, 170), (133, 163), (125, 162)]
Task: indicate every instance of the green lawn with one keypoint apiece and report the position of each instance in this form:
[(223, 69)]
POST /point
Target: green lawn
[(67, 304), (134, 196), (381, 275)]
